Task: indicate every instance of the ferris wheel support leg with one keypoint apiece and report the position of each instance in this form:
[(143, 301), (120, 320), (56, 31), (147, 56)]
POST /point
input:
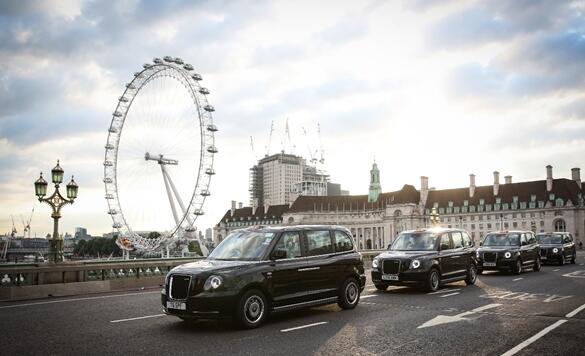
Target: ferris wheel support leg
[(177, 196), (162, 167)]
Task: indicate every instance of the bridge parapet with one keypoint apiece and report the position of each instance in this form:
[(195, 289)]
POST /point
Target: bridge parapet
[(38, 280)]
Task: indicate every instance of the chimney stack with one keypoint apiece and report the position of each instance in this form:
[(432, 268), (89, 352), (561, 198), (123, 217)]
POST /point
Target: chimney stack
[(424, 190), (508, 179), (471, 185), (549, 178), (496, 182), (254, 206), (576, 173), (233, 210), (240, 205)]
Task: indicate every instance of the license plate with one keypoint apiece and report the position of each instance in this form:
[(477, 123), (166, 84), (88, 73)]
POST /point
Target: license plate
[(489, 264), (176, 305), (389, 277)]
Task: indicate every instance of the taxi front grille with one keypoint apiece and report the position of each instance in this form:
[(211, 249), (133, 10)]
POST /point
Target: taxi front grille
[(489, 256), (543, 252), (391, 266), (179, 287)]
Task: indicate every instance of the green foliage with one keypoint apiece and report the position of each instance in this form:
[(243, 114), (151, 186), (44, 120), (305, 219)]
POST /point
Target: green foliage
[(98, 246), (194, 247)]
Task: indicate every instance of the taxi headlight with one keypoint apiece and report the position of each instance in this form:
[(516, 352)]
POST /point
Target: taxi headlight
[(555, 250), (375, 263), (213, 282), (507, 255), (415, 264), (477, 254)]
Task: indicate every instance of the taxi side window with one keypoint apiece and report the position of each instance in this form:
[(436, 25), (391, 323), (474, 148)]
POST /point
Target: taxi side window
[(342, 242), (318, 243), (531, 239), (291, 243), (523, 240), (466, 239), (457, 239), (567, 239), (446, 243)]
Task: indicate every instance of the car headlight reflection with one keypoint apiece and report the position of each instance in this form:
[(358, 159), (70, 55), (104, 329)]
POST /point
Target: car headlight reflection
[(375, 263), (213, 282), (507, 255), (555, 250), (415, 264)]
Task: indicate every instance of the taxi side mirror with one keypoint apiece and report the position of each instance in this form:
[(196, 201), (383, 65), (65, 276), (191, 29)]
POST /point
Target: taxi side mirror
[(278, 255)]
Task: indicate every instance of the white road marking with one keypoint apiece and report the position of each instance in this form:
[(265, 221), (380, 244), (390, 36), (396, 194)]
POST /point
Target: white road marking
[(303, 326), (517, 279), (368, 296), (577, 274), (445, 319), (556, 270), (533, 297), (449, 295), (137, 318), (76, 299), (444, 291), (529, 341), (574, 312), (581, 264)]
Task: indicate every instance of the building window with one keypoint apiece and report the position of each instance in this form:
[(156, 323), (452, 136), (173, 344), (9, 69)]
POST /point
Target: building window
[(541, 223), (505, 206), (559, 203), (481, 201), (515, 198), (457, 210), (464, 209), (472, 209), (533, 197), (489, 225), (551, 196), (498, 200), (560, 225), (541, 204), (465, 203), (523, 205), (514, 224), (450, 204), (488, 207)]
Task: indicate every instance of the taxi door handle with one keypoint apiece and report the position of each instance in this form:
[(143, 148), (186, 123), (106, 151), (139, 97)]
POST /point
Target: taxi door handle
[(308, 269)]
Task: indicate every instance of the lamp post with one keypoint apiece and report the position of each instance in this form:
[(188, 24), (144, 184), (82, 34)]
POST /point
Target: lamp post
[(56, 201), (435, 219)]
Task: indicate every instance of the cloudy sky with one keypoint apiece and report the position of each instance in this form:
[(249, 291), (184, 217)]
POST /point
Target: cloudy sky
[(434, 88)]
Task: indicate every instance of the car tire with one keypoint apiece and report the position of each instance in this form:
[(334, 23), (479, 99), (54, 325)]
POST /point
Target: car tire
[(518, 267), (471, 275), (252, 309), (433, 280), (381, 286), (574, 259), (536, 266), (349, 294)]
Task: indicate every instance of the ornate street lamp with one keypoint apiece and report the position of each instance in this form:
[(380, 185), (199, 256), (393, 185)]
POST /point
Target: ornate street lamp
[(435, 219), (56, 201)]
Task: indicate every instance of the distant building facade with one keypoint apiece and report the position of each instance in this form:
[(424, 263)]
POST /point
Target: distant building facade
[(544, 205)]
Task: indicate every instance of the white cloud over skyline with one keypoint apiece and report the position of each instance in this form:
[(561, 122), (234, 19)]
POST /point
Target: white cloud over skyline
[(441, 89)]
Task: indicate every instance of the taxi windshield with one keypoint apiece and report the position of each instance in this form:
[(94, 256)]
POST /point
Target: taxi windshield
[(550, 239), (502, 240), (415, 241), (242, 246)]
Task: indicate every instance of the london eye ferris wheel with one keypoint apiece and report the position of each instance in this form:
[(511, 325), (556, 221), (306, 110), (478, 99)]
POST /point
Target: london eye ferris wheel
[(159, 156)]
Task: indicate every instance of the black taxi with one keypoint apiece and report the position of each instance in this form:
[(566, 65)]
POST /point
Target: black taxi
[(510, 251), (557, 247), (259, 270), (428, 258)]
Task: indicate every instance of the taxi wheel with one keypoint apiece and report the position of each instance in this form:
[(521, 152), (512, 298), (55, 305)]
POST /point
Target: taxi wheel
[(381, 286), (471, 275), (349, 294), (433, 280), (252, 309), (518, 267), (536, 267)]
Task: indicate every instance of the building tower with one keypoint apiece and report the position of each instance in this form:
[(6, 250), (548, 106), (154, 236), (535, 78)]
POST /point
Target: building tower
[(375, 187)]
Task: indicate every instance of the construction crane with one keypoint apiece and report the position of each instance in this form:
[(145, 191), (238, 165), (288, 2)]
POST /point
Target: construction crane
[(322, 159), (287, 132), (269, 139), (14, 231), (253, 151), (312, 152), (26, 225)]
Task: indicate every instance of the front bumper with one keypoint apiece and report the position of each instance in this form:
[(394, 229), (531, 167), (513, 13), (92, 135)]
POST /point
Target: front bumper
[(205, 305), (502, 264), (408, 277), (550, 256)]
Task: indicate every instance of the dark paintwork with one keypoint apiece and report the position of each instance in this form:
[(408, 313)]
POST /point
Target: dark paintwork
[(527, 253), (567, 250), (280, 280)]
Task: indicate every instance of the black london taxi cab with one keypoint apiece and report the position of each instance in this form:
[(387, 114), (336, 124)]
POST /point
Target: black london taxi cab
[(428, 258), (510, 251), (259, 270), (557, 247)]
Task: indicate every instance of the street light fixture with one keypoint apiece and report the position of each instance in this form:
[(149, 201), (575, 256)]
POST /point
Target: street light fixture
[(56, 201)]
